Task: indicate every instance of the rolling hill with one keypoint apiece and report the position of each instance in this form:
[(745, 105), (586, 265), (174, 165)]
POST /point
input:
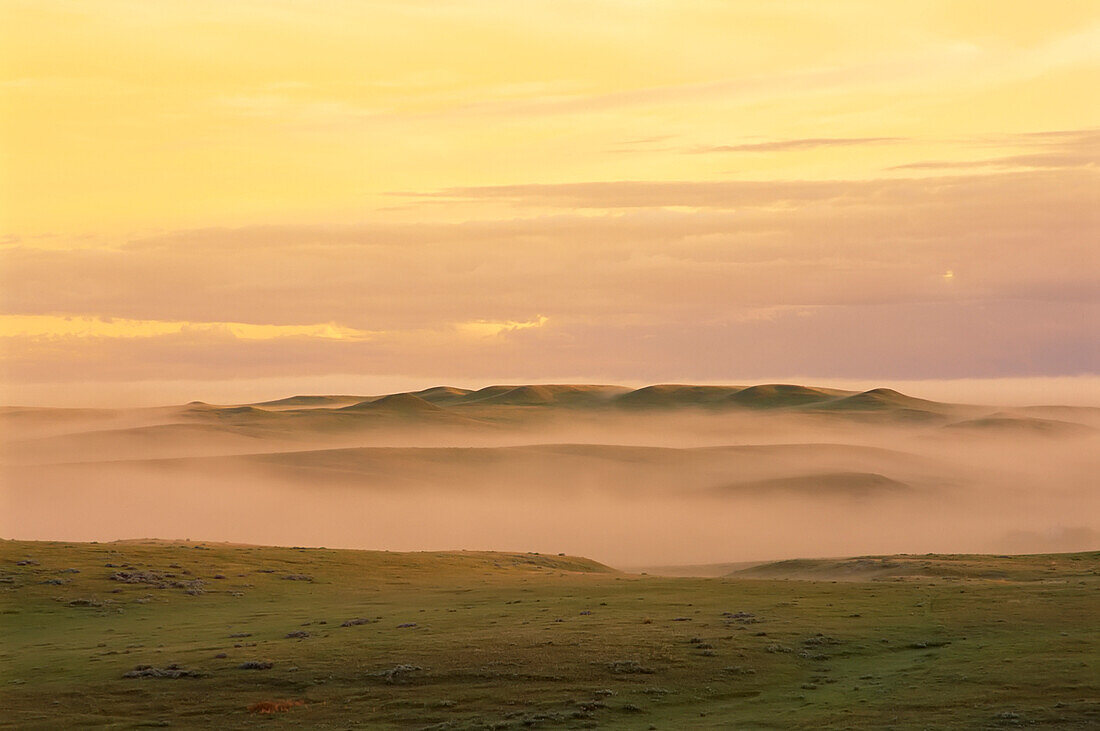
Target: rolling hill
[(1000, 423), (855, 485)]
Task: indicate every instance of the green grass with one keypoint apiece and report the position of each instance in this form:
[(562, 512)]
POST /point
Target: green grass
[(522, 640)]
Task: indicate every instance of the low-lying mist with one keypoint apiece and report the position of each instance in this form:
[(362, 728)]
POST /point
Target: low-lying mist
[(651, 487)]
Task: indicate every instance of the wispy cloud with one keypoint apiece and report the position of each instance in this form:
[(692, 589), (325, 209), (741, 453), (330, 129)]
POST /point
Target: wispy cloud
[(844, 277), (492, 328), (806, 143), (84, 326), (1050, 150), (732, 194)]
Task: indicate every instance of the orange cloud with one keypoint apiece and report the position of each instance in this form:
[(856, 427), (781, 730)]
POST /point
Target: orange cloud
[(57, 326)]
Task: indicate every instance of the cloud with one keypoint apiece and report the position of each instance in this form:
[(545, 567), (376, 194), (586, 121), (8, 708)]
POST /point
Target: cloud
[(944, 339), (736, 194), (909, 67), (631, 280), (82, 326), (807, 143), (490, 328), (1049, 150)]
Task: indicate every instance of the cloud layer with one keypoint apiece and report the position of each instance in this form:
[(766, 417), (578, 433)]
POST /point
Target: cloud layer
[(630, 191), (989, 274)]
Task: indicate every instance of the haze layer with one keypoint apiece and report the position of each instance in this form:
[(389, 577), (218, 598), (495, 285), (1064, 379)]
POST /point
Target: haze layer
[(658, 475)]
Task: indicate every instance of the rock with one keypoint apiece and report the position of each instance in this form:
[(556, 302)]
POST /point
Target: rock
[(399, 672), (628, 667), (171, 671), (140, 577), (194, 588), (357, 621), (738, 670)]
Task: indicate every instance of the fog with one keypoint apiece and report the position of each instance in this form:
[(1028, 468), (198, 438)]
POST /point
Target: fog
[(686, 486)]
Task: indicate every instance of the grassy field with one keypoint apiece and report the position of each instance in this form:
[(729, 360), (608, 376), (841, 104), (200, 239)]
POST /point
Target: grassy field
[(215, 634)]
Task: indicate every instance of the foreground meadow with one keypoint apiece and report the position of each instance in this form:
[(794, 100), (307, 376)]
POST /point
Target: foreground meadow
[(131, 634)]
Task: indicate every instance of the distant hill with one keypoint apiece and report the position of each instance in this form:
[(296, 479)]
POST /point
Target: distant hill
[(769, 396), (1034, 567), (545, 395), (442, 394), (1005, 423), (739, 472), (299, 402), (886, 402), (782, 395), (846, 484), (787, 397), (398, 403), (1085, 414), (677, 395), (220, 412), (488, 410), (879, 399), (161, 440)]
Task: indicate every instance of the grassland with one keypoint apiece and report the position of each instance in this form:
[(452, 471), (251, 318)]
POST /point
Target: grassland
[(498, 640)]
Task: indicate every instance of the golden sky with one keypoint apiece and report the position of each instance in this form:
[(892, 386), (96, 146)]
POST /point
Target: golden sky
[(626, 189)]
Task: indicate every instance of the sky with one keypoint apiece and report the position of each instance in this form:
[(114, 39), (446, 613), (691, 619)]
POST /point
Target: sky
[(286, 196)]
